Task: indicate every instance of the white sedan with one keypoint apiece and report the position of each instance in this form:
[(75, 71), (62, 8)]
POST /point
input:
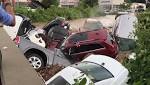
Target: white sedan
[(95, 69)]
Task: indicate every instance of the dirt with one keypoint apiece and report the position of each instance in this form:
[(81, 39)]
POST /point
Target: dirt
[(122, 56), (49, 71)]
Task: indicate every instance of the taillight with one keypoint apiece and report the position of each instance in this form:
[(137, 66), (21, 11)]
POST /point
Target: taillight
[(17, 40)]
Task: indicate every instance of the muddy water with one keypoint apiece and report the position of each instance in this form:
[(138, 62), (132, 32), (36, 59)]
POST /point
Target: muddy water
[(107, 21)]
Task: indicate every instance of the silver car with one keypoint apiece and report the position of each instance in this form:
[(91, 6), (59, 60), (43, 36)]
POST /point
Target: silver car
[(32, 46)]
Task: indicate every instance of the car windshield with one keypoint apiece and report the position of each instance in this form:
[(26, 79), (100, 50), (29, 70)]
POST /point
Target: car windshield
[(59, 81), (93, 25), (94, 71)]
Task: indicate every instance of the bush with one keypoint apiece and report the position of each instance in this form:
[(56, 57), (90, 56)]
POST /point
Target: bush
[(44, 15), (140, 68)]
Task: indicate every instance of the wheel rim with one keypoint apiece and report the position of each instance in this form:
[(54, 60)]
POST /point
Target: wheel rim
[(35, 62)]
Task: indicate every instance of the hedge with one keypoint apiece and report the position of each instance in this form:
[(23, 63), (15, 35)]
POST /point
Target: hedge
[(140, 68), (44, 15)]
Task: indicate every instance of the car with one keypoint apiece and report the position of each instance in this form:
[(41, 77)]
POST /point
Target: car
[(99, 41), (92, 24), (23, 26), (33, 46), (95, 70), (124, 31), (39, 56)]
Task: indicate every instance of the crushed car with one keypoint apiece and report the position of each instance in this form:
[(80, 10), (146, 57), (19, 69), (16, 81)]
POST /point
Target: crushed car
[(30, 41), (80, 44), (94, 70)]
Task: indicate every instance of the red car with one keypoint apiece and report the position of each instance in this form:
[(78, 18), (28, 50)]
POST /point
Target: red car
[(99, 41)]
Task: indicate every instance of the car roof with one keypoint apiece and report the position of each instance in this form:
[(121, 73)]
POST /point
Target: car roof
[(101, 32), (109, 63)]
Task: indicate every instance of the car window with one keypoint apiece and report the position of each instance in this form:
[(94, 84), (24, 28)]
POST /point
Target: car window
[(94, 71), (78, 37), (86, 47), (24, 27), (59, 81), (93, 25)]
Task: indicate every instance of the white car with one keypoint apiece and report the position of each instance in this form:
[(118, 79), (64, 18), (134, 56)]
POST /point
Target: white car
[(24, 26), (96, 69)]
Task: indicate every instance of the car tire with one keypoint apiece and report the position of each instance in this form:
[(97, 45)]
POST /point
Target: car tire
[(35, 60)]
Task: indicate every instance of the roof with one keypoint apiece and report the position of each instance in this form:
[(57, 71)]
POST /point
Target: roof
[(109, 63)]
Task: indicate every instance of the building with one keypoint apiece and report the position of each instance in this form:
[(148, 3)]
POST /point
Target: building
[(21, 2), (69, 3), (110, 5)]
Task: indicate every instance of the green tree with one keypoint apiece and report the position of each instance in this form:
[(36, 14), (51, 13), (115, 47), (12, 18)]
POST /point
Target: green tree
[(82, 80), (48, 3), (125, 6), (140, 68), (90, 3)]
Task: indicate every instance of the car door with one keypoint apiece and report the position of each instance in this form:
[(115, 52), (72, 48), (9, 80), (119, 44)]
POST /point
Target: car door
[(87, 47)]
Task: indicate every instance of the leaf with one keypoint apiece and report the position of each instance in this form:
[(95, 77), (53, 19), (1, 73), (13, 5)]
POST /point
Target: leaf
[(83, 81)]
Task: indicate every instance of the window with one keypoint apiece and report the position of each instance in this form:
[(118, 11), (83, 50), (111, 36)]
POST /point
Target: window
[(86, 47), (94, 71), (24, 27), (59, 81), (78, 37)]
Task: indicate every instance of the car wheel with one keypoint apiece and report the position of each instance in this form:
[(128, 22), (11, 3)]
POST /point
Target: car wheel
[(35, 60)]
